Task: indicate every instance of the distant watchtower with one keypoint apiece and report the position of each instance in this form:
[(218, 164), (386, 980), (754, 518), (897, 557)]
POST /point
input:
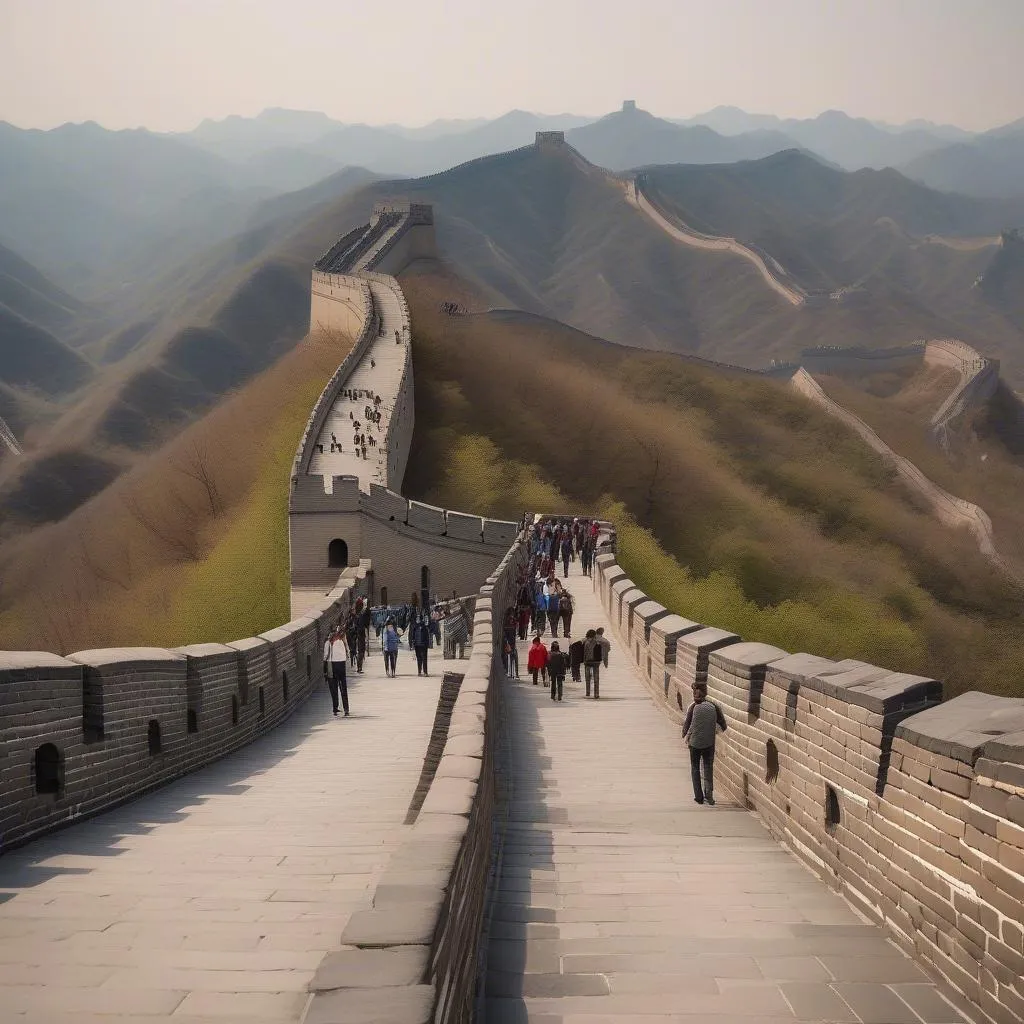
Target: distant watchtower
[(629, 106), (550, 139)]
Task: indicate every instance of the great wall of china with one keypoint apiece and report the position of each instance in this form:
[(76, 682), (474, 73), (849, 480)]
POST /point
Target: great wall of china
[(911, 808)]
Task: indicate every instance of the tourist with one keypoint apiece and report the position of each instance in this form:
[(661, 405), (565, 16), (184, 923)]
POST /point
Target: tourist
[(557, 662), (554, 603), (389, 642), (592, 652), (605, 645), (537, 659), (703, 720), (335, 656), (511, 659), (566, 552), (419, 639), (575, 659), (565, 610)]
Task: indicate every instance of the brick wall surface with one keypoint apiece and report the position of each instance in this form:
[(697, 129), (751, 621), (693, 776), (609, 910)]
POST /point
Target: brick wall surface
[(101, 712), (912, 808)]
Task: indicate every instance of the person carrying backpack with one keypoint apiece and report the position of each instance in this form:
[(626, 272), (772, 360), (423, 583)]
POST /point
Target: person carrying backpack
[(554, 603), (335, 658), (557, 664), (703, 720), (565, 609)]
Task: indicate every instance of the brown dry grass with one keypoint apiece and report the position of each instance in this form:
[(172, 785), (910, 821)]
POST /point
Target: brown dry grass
[(113, 571)]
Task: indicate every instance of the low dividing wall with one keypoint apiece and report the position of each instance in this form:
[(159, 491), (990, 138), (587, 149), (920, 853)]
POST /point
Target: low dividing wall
[(413, 957), (912, 808), (81, 734)]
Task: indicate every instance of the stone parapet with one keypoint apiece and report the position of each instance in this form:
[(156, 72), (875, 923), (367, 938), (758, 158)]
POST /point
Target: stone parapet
[(81, 734), (912, 808)]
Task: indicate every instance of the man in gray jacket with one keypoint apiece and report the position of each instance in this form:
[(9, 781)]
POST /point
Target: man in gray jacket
[(703, 720)]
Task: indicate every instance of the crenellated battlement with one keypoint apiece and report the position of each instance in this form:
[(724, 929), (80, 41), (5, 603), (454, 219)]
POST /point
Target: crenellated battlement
[(912, 808)]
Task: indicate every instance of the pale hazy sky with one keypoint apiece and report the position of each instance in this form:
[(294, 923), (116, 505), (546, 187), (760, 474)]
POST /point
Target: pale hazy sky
[(167, 64)]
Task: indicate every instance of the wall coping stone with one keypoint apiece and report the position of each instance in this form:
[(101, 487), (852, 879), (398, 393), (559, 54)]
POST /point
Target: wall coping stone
[(371, 968), (797, 668), (877, 689), (104, 656), (12, 661), (204, 650), (747, 655), (410, 925), (707, 638), (963, 727), (404, 1004), (673, 626), (250, 643)]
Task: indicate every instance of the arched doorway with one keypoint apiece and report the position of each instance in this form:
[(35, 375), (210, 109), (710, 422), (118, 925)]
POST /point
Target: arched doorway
[(337, 554)]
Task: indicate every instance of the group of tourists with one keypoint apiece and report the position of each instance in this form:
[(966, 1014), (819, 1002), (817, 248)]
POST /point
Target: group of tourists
[(348, 643), (588, 654), (543, 602)]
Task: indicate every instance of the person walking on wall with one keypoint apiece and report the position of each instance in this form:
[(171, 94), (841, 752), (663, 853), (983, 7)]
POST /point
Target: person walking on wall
[(537, 658), (335, 657), (592, 662), (604, 644), (419, 638), (703, 720), (565, 609), (557, 664), (554, 603), (389, 641), (575, 659)]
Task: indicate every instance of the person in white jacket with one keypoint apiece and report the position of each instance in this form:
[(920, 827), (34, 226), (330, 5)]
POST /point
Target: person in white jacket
[(335, 658)]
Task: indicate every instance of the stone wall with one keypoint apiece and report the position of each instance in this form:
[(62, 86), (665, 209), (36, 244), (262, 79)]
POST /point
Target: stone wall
[(398, 535), (979, 377), (81, 734), (414, 955), (911, 808)]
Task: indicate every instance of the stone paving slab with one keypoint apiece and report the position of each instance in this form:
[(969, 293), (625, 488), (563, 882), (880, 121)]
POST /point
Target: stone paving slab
[(216, 897), (622, 900)]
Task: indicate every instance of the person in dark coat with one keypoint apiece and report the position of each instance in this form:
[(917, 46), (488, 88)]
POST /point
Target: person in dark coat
[(558, 662), (703, 720), (419, 637), (575, 659)]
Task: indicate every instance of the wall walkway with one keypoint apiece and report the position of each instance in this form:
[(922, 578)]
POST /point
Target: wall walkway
[(910, 808), (216, 898), (620, 899), (8, 438)]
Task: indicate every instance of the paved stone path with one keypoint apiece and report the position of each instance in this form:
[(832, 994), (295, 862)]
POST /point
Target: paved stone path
[(212, 900), (622, 900)]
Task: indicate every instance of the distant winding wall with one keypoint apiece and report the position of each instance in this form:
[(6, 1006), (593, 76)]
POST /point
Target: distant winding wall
[(947, 508), (767, 267), (979, 377)]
